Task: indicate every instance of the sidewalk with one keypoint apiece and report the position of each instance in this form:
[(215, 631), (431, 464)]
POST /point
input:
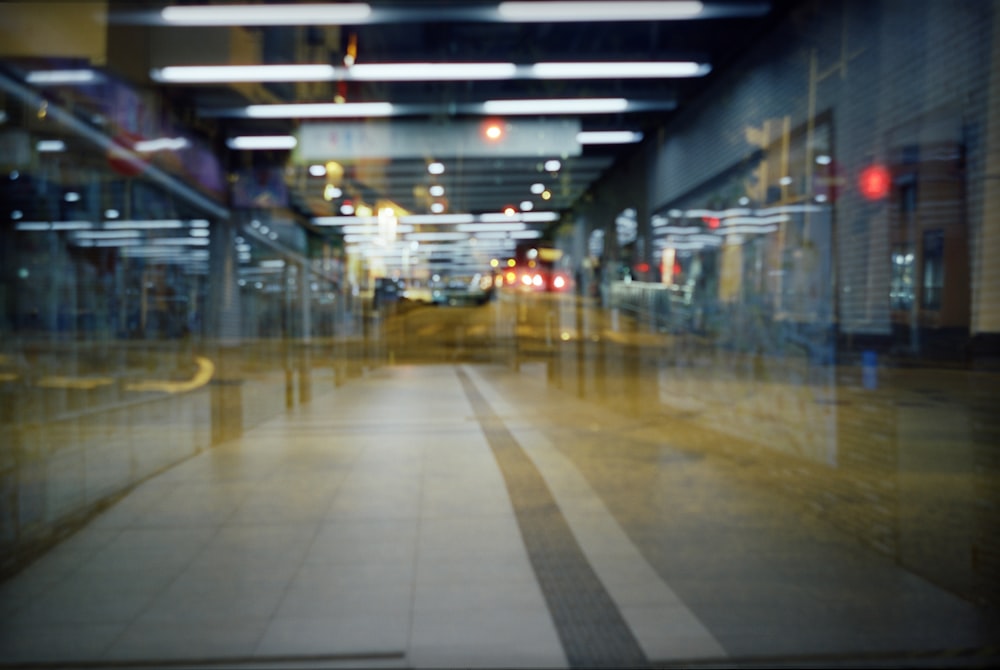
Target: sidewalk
[(372, 527)]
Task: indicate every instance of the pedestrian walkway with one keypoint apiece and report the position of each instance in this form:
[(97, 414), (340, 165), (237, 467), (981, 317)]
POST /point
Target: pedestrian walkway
[(417, 517), (372, 527)]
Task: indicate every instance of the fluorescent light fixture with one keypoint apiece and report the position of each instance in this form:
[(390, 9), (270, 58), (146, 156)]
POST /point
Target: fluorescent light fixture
[(179, 241), (267, 15), (490, 227), (823, 159), (527, 205), (111, 214), (162, 144), (290, 72), (72, 196), (72, 225), (437, 207), (199, 223), (154, 224), (608, 137), (320, 110), (222, 74), (317, 170), (537, 188), (343, 220), (756, 220), (438, 237), (435, 168), (44, 77), (598, 11), (199, 232), (495, 217), (751, 230), (33, 225), (119, 242), (623, 70), (436, 190), (556, 106), (107, 234), (679, 230), (716, 213), (431, 71), (540, 217), (50, 146), (432, 219), (262, 142), (552, 165), (371, 229), (788, 209), (526, 235)]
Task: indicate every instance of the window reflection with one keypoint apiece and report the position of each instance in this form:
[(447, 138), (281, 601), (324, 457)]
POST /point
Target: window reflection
[(761, 340)]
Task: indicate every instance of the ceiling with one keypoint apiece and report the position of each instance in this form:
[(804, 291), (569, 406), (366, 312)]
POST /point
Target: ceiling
[(477, 181)]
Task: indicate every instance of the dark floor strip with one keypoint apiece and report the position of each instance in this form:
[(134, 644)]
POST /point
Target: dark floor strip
[(590, 626)]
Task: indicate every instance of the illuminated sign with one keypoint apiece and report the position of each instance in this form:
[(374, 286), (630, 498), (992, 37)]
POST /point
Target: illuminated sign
[(346, 140)]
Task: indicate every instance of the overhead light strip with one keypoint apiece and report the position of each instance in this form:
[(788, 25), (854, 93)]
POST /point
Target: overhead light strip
[(320, 110), (267, 15), (262, 142), (430, 71), (622, 70), (608, 137), (357, 13), (216, 74), (54, 77), (599, 11), (475, 221), (556, 106), (219, 74)]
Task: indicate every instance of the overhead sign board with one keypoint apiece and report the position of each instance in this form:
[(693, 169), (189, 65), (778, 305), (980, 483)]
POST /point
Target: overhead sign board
[(356, 140)]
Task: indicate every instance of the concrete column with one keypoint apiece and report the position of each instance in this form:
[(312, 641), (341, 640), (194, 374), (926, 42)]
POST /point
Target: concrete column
[(223, 332)]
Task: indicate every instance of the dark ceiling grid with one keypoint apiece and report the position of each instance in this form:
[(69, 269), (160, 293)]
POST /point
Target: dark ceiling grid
[(481, 185)]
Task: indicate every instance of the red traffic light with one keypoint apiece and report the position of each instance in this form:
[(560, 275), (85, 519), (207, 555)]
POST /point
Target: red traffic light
[(874, 182)]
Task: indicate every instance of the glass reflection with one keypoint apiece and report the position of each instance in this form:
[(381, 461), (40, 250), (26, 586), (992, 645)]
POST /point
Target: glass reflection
[(758, 351)]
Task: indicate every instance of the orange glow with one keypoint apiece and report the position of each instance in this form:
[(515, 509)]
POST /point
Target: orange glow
[(509, 210), (493, 130)]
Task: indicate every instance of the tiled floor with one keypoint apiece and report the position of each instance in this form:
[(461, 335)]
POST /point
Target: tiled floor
[(374, 527)]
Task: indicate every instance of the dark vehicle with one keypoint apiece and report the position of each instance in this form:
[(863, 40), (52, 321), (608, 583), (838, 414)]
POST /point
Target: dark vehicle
[(462, 291)]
